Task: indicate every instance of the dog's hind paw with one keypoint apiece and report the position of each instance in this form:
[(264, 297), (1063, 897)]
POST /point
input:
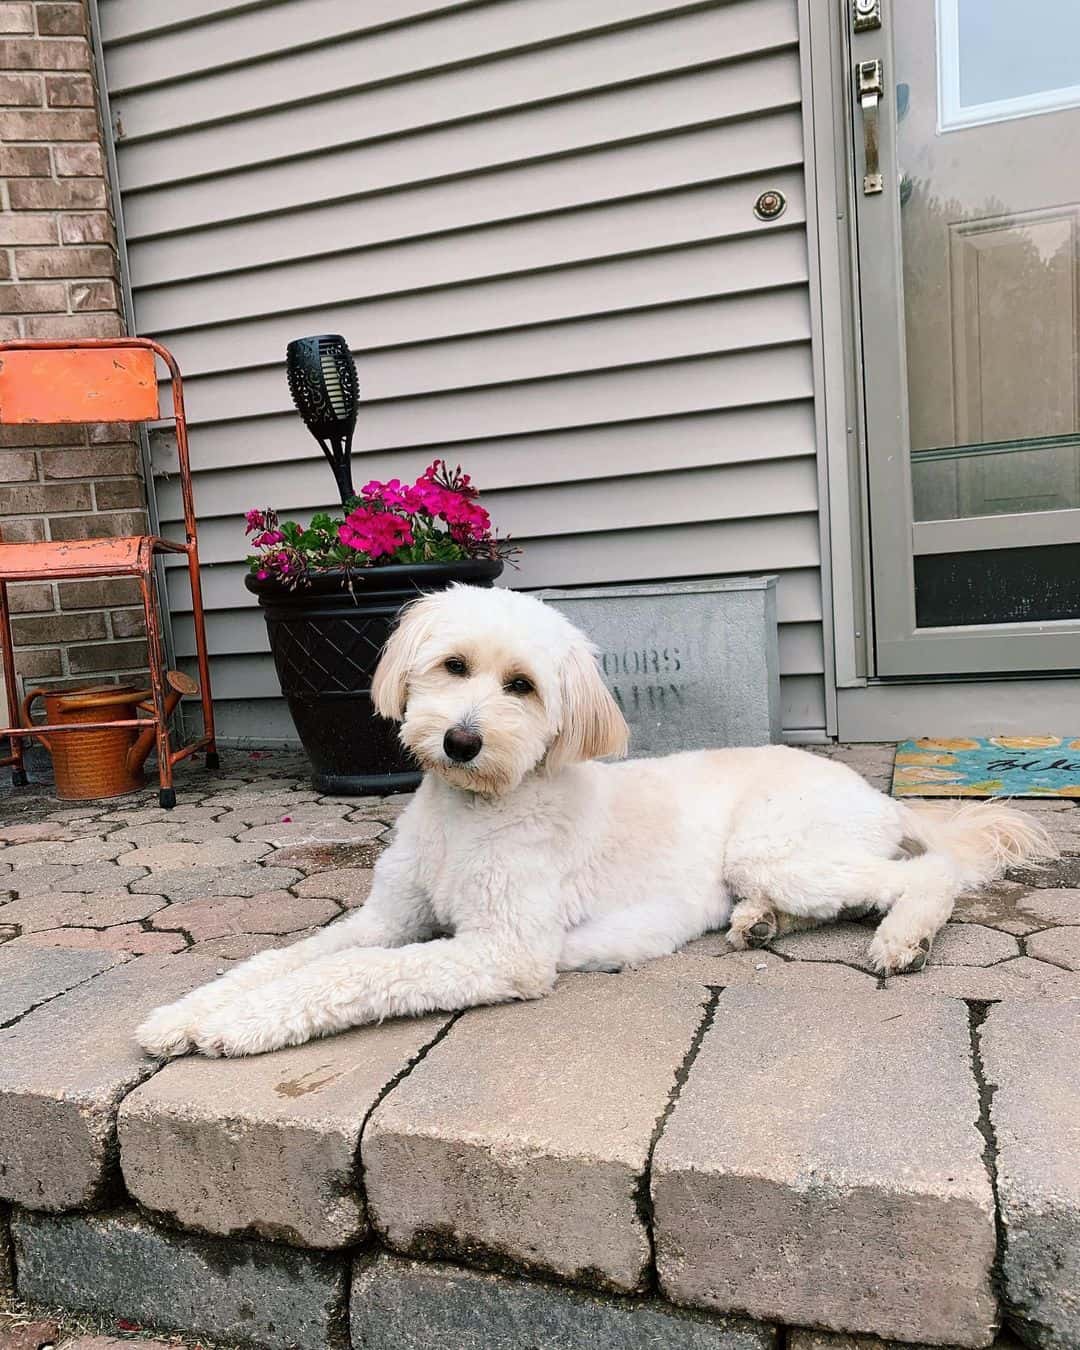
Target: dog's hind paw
[(756, 928), (891, 957)]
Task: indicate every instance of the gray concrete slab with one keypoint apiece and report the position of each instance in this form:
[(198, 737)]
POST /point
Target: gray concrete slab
[(957, 944), (267, 1145), (1059, 946), (407, 1305), (1020, 978), (63, 1070), (29, 978), (823, 1165), (804, 1339), (696, 965), (524, 1136), (1030, 1054), (117, 1263)]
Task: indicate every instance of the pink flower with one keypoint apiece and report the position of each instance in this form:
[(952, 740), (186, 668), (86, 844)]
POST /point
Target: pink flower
[(468, 521), (262, 573), (393, 494), (376, 533), (267, 538), (256, 520)]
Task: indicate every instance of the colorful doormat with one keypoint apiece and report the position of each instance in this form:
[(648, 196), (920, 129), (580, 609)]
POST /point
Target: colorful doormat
[(1000, 766)]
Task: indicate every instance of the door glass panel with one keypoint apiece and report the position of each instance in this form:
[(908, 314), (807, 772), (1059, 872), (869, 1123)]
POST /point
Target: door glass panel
[(1003, 585), (990, 236), (996, 52), (953, 482)]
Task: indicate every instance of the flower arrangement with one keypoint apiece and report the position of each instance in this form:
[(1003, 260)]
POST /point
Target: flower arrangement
[(436, 519)]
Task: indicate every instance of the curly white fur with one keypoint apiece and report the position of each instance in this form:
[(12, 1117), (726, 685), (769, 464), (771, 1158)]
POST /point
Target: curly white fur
[(536, 858)]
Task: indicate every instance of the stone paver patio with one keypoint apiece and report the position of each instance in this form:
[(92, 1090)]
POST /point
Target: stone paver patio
[(711, 1151)]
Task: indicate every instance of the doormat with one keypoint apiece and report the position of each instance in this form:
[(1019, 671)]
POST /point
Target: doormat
[(997, 766)]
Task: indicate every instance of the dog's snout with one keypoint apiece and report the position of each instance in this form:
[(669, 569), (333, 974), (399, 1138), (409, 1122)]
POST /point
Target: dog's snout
[(462, 745)]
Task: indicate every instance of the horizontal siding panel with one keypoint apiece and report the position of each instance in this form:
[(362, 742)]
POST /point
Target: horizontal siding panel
[(516, 141), (700, 272), (623, 56), (781, 374), (802, 650), (574, 182), (667, 333), (469, 35), (125, 20), (737, 548), (802, 703), (781, 487), (713, 548), (197, 35), (740, 436), (183, 282)]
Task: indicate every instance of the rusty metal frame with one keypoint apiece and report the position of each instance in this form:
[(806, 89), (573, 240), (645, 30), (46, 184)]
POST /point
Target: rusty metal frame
[(114, 564)]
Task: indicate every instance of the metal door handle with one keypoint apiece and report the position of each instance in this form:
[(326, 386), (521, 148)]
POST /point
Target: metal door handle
[(870, 82)]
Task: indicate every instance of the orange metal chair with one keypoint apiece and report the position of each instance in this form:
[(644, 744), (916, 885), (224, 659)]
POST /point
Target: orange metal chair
[(87, 381)]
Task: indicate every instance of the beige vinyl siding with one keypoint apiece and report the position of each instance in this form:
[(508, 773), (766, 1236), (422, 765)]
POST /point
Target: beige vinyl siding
[(533, 219)]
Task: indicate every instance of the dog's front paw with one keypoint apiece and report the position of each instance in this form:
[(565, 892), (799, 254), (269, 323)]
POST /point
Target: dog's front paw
[(166, 1033), (244, 1027), (891, 955)]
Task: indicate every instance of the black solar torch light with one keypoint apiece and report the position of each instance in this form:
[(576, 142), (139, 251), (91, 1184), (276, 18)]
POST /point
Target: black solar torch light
[(324, 387)]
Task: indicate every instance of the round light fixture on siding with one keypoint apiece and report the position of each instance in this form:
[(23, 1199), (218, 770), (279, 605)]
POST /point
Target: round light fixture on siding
[(770, 205), (325, 390)]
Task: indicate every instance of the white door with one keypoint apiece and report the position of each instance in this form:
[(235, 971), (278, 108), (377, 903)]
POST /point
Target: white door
[(969, 265)]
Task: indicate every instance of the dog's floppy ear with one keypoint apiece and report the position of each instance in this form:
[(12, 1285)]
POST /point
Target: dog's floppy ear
[(592, 725), (389, 688)]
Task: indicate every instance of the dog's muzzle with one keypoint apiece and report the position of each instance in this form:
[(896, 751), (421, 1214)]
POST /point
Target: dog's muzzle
[(461, 745)]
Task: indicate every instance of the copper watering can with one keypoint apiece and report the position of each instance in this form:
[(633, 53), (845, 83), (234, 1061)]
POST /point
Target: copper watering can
[(106, 762)]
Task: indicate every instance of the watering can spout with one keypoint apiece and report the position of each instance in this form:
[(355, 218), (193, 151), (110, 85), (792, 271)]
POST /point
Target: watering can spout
[(179, 685)]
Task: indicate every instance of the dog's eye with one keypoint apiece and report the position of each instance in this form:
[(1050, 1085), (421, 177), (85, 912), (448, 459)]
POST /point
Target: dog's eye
[(456, 666), (519, 685)]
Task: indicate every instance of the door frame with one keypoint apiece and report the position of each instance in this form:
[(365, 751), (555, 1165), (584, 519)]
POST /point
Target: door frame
[(865, 641), (825, 61)]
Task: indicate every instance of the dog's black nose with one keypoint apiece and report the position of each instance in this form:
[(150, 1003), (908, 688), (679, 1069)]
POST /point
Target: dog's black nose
[(462, 745)]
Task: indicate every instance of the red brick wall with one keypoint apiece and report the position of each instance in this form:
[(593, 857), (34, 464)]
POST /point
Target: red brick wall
[(58, 278)]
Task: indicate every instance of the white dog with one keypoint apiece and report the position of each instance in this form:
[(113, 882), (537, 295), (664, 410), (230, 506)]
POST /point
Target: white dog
[(521, 856)]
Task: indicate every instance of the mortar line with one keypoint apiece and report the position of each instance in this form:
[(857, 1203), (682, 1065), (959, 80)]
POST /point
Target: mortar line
[(978, 1011), (343, 1333), (7, 1235), (399, 1077), (644, 1189)]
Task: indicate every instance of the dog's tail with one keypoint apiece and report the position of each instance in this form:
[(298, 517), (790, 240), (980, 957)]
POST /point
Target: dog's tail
[(981, 839)]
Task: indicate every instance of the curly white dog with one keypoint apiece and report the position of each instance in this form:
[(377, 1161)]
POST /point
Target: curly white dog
[(520, 856)]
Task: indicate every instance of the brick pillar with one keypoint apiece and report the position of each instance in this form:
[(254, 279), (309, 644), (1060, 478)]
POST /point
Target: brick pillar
[(58, 278)]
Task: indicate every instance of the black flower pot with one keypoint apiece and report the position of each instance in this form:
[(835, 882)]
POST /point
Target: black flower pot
[(326, 638)]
